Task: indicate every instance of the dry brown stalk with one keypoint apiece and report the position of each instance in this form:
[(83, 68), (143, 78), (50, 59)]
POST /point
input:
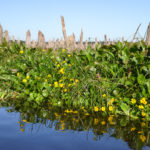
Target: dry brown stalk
[(63, 28), (86, 44), (33, 44), (6, 36), (41, 40), (109, 41), (105, 39), (100, 44), (122, 39), (28, 39), (136, 33), (113, 42), (13, 38), (1, 34), (18, 41), (148, 35), (81, 40), (61, 43), (95, 43)]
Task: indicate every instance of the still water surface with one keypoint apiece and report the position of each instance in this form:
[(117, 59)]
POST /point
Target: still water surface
[(16, 134)]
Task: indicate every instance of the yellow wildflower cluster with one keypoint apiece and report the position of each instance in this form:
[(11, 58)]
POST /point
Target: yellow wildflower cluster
[(143, 138), (104, 95), (61, 71), (69, 111), (141, 107), (133, 101), (103, 108), (96, 109), (63, 50), (21, 52), (27, 77), (143, 101), (24, 80), (56, 84), (110, 108), (18, 74)]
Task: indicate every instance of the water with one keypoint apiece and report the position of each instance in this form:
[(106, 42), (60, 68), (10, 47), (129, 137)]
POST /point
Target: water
[(49, 133)]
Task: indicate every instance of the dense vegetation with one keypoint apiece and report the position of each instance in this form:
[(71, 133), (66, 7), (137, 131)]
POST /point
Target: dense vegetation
[(110, 80)]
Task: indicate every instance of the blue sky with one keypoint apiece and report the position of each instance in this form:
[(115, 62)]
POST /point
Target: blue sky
[(116, 18)]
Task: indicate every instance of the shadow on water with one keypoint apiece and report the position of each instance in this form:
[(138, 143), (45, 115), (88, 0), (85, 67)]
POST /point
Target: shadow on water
[(134, 132)]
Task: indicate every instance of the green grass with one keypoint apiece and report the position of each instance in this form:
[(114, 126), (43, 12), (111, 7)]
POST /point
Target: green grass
[(112, 79)]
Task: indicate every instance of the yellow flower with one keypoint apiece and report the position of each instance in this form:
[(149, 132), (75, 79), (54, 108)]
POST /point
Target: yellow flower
[(110, 118), (62, 126), (61, 85), (61, 71), (133, 129), (109, 103), (133, 101), (64, 62), (143, 138), (24, 80), (110, 108), (103, 109), (71, 79), (69, 55), (49, 76), (65, 90), (67, 111), (74, 83), (103, 122), (140, 132), (27, 77), (63, 50), (43, 50), (76, 80), (50, 84), (21, 51), (75, 112), (112, 100), (18, 74), (95, 121), (58, 65), (104, 95), (87, 114), (56, 84), (143, 101), (22, 130), (24, 120), (141, 107), (69, 65), (96, 109), (69, 85), (143, 114), (143, 124), (45, 80), (82, 107)]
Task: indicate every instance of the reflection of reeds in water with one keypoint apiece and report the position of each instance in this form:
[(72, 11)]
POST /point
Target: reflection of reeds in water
[(81, 120)]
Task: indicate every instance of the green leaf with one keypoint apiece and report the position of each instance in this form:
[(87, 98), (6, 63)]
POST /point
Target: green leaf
[(125, 108), (45, 93)]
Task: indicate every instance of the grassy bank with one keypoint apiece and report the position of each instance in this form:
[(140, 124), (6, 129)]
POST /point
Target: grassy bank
[(113, 79)]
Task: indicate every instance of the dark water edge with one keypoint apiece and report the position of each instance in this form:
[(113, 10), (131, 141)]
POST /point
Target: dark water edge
[(40, 137), (37, 136)]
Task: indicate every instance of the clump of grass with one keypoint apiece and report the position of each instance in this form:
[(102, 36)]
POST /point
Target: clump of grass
[(112, 79)]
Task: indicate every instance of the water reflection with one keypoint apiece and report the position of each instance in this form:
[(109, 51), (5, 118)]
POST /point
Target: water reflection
[(135, 133)]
